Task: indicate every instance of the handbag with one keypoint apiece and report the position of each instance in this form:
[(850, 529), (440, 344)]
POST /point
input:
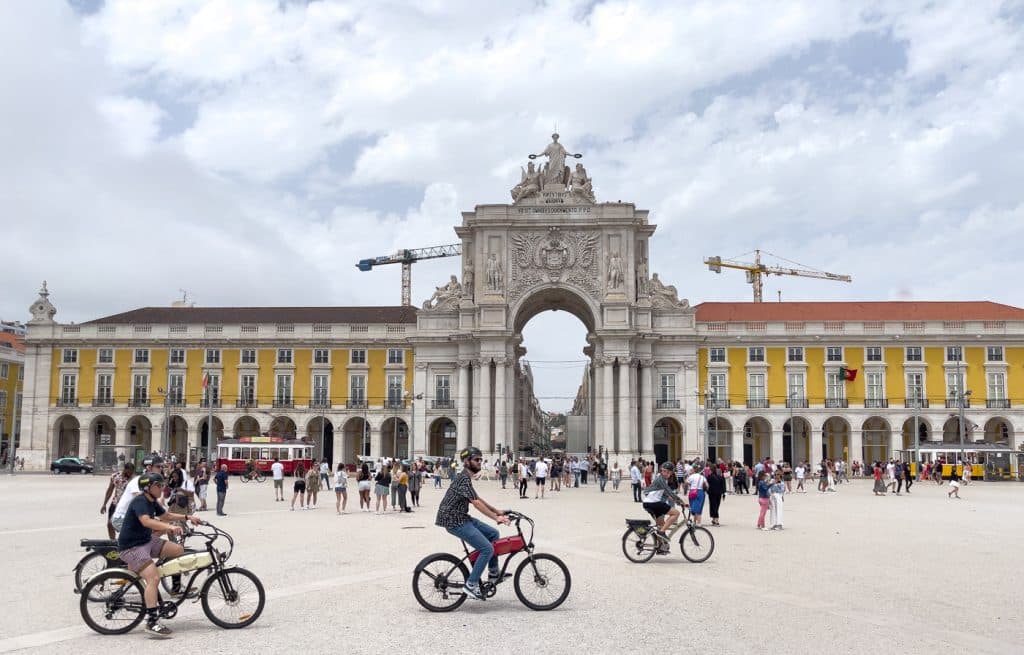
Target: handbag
[(692, 495)]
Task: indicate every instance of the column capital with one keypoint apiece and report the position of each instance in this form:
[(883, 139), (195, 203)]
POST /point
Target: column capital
[(420, 366), (646, 362), (465, 363)]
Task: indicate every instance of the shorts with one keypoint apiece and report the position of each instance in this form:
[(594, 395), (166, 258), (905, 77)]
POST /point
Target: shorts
[(201, 491), (279, 484), (110, 512), (658, 509), (540, 482), (381, 490), (364, 485), (341, 490), (299, 486), (138, 557)]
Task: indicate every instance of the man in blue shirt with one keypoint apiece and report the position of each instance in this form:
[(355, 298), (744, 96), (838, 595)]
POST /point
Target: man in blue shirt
[(221, 479)]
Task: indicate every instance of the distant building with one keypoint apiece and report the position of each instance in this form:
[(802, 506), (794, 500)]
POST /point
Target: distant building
[(12, 375)]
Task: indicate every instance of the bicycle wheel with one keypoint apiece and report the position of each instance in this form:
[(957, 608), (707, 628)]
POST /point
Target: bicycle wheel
[(260, 477), (112, 603), (638, 548), (697, 544), (233, 598), (438, 580), (542, 582), (245, 478), (87, 567)]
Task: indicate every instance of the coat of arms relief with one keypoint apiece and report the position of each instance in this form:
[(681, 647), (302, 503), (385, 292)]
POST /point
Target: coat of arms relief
[(554, 256)]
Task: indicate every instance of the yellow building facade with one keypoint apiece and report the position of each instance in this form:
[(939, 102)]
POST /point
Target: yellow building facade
[(12, 374)]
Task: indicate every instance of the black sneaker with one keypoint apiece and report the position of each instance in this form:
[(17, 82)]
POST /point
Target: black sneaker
[(158, 629), (473, 591)]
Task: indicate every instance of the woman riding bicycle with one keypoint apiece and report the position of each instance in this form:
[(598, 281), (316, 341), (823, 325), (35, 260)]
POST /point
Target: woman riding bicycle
[(660, 500)]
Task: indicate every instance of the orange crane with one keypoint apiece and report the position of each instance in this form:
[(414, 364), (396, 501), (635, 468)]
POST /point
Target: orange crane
[(755, 270)]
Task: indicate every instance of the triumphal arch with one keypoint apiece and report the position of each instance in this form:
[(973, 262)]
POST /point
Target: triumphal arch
[(557, 247)]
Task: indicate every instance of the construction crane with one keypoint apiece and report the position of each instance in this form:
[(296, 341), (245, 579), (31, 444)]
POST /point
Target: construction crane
[(406, 258), (756, 269)]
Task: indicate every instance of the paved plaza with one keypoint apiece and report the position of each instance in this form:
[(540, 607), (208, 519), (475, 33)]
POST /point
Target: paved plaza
[(851, 572)]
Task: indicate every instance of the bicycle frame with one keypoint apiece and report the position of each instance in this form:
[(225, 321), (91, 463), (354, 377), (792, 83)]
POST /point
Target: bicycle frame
[(528, 549)]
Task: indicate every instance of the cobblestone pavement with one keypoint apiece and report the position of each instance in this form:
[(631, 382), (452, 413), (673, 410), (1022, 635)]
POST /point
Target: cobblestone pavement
[(851, 572)]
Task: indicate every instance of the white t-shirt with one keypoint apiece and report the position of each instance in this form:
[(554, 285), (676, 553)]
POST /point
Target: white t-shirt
[(524, 470), (799, 471), (341, 479), (130, 492), (324, 468), (277, 468), (540, 470), (696, 481)]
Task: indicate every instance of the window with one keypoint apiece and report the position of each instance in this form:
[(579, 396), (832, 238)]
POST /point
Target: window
[(248, 356), (994, 354), (176, 356), (104, 389), (755, 387), (105, 356), (248, 389), (176, 389), (668, 387), (954, 354), (21, 374), (213, 389), (70, 356), (443, 390), (321, 356), (357, 389), (142, 355), (320, 390), (914, 354), (873, 353), (140, 386), (284, 355), (212, 356), (795, 354), (719, 395), (996, 386), (954, 384), (5, 370), (796, 387), (875, 388), (716, 355), (358, 356), (283, 395), (755, 354), (834, 354), (69, 388), (833, 386), (3, 400), (396, 356), (394, 390), (915, 388)]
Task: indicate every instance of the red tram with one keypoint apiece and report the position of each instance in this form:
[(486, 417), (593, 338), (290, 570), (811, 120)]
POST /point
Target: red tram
[(236, 453)]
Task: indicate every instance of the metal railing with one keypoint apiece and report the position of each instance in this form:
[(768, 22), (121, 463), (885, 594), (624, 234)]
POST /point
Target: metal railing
[(215, 404), (138, 402), (758, 403), (911, 403), (320, 403), (442, 404), (796, 403), (954, 403), (998, 403), (67, 402), (246, 403), (834, 403), (394, 403), (716, 403), (876, 403), (174, 402), (356, 403), (666, 403), (280, 403), (103, 402)]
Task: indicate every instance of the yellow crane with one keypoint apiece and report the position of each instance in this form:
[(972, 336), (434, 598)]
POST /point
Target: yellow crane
[(755, 270)]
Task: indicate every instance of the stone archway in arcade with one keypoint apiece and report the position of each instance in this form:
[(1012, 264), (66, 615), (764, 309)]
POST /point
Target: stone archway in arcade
[(245, 426), (757, 440), (102, 440), (177, 437), (796, 441), (668, 440), (139, 434), (66, 436), (835, 439), (355, 439), (320, 431), (442, 438), (208, 447), (877, 437), (394, 438), (999, 431), (924, 432), (951, 431), (719, 444), (284, 427)]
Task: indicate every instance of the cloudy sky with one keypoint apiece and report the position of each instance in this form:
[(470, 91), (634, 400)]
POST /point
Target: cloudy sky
[(251, 152)]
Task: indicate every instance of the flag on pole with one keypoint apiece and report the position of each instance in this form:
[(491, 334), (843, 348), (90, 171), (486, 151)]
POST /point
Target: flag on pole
[(206, 380), (847, 374)]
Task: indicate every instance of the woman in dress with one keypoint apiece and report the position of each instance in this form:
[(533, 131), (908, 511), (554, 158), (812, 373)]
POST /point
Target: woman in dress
[(363, 487), (312, 486), (716, 492), (697, 485), (383, 484), (340, 488), (403, 487), (879, 488), (776, 499), (415, 484), (616, 476)]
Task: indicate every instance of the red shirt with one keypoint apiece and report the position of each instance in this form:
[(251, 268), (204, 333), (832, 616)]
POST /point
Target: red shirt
[(878, 473)]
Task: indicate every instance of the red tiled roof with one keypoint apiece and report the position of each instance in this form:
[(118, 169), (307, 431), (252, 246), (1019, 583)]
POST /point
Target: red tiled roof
[(724, 312), (8, 340), (232, 315)]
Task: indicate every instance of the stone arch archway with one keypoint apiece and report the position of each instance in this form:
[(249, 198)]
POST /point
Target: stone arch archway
[(442, 437), (999, 430), (320, 431), (757, 440), (924, 432), (877, 437), (138, 432), (668, 439), (796, 441), (102, 431), (719, 445), (245, 426), (177, 436), (835, 439), (283, 426), (394, 436), (66, 437), (355, 439)]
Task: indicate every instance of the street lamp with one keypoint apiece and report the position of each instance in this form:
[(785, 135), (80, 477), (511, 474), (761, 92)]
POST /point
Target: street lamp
[(792, 429), (412, 424), (165, 437)]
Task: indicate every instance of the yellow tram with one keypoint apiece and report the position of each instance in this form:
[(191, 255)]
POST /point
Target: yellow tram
[(991, 462)]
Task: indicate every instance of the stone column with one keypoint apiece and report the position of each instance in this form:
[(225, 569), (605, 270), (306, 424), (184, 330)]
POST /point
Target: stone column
[(814, 457), (418, 441), (627, 430), (736, 445), (483, 438), (646, 384), (856, 446), (694, 415), (776, 446), (376, 443), (895, 443), (462, 413), (606, 402), (500, 412)]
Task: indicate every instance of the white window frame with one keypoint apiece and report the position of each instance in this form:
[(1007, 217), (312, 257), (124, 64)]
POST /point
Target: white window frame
[(212, 356), (830, 350), (718, 384), (176, 356), (357, 356), (835, 387), (915, 386), (914, 354), (285, 356), (69, 388), (870, 351), (357, 388), (757, 391), (212, 391), (244, 358), (105, 392), (396, 392), (874, 385), (396, 356), (5, 370), (100, 359), (796, 386), (321, 392), (247, 392), (317, 359), (755, 354), (284, 387), (954, 384), (141, 356), (69, 356), (136, 387), (176, 392), (795, 354), (717, 355), (667, 388), (958, 351), (996, 391), (995, 350), (443, 388)]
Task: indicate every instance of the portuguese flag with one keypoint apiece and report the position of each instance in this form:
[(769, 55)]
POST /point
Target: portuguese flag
[(847, 374)]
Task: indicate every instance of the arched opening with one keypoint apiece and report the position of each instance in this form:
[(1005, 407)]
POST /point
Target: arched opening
[(355, 439), (668, 440), (320, 431), (441, 437), (177, 437), (139, 434), (719, 440), (876, 435), (66, 434), (555, 324), (757, 440), (394, 435), (924, 431), (208, 446), (245, 426), (951, 430), (999, 431), (796, 441), (102, 438), (835, 438), (283, 426)]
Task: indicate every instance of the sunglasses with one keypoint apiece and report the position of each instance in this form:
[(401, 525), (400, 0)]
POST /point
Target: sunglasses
[(476, 459)]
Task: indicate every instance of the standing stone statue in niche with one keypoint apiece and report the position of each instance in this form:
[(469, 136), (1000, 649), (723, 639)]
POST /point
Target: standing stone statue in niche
[(614, 271), (467, 277), (641, 279), (493, 273), (555, 173)]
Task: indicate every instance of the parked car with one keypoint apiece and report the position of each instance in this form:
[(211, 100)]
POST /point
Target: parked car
[(70, 465)]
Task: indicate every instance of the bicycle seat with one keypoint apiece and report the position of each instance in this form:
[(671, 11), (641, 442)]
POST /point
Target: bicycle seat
[(638, 523), (99, 543)]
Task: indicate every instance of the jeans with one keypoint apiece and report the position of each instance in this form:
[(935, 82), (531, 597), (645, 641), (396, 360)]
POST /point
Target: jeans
[(583, 477), (636, 492), (602, 480), (523, 485), (221, 495), (576, 478), (437, 480), (479, 536)]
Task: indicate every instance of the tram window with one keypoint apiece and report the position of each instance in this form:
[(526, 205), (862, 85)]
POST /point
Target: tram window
[(236, 453), (265, 453)]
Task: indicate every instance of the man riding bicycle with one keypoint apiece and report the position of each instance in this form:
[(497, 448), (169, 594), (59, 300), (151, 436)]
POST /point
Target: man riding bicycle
[(660, 501), (138, 545), (453, 516)]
